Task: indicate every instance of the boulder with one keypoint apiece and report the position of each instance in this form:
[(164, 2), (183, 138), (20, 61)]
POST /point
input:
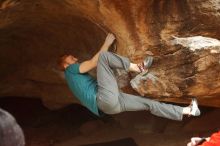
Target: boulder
[(33, 34)]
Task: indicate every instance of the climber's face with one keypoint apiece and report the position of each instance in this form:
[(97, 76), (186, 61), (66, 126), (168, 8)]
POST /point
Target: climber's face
[(70, 59)]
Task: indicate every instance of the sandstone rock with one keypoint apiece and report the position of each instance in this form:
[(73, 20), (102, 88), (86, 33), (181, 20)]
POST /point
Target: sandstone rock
[(90, 127), (201, 125), (34, 34)]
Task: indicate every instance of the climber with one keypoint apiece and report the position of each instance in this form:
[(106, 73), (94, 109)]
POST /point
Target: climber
[(104, 94)]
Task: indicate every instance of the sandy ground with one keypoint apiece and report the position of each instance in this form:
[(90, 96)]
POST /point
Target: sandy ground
[(74, 125)]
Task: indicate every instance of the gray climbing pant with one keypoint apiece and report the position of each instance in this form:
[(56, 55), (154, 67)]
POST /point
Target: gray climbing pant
[(111, 101)]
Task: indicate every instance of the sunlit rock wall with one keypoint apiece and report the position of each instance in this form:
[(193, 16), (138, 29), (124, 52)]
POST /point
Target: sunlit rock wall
[(34, 33)]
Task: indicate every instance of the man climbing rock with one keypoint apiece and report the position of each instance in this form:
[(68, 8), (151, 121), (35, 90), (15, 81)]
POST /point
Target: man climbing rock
[(104, 95)]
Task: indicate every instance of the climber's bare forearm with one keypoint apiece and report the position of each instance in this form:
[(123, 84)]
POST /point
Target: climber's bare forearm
[(95, 58), (92, 63)]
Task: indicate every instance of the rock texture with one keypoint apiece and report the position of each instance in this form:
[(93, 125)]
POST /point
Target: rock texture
[(34, 33), (43, 127)]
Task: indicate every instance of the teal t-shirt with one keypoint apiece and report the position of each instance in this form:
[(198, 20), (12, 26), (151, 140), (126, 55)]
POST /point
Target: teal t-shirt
[(83, 86)]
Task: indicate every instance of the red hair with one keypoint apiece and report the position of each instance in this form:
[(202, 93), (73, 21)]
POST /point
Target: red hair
[(61, 61)]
